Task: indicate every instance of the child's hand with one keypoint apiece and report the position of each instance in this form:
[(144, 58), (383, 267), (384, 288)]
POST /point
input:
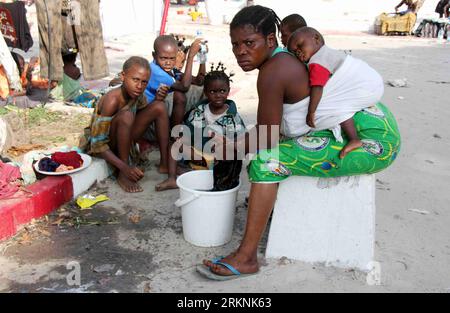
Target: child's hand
[(161, 92), (133, 173), (195, 47), (310, 120), (223, 148)]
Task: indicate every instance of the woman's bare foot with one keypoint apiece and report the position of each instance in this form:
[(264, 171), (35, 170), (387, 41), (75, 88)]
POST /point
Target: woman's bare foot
[(127, 185), (170, 183), (240, 262), (351, 145)]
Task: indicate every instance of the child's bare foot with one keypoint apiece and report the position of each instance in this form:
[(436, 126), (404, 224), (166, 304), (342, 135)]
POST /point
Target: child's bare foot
[(127, 185), (170, 183), (351, 145)]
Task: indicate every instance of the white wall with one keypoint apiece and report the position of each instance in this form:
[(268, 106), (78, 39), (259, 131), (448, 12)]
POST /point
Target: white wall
[(341, 15), (130, 17)]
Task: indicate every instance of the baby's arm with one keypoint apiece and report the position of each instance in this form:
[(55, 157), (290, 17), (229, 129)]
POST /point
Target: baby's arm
[(353, 139), (318, 77), (316, 95)]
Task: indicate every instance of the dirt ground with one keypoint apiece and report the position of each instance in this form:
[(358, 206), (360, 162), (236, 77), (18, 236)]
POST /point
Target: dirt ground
[(134, 243), (41, 128)]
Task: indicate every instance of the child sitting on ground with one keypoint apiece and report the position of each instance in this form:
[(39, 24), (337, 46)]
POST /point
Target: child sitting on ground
[(308, 45), (289, 25), (121, 117), (70, 89), (216, 114), (163, 73)]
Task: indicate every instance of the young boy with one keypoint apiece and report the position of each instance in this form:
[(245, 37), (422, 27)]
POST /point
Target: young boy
[(216, 114), (289, 25), (309, 47), (165, 56), (121, 117)]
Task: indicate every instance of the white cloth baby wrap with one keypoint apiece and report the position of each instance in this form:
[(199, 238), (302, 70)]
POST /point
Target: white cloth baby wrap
[(354, 87)]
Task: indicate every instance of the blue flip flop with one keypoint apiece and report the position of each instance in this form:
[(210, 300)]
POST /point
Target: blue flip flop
[(206, 271)]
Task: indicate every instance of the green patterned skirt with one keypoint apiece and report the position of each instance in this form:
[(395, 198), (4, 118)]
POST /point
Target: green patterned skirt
[(317, 154)]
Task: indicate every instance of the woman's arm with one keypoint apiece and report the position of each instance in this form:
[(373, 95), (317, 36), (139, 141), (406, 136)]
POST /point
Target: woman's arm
[(272, 85), (281, 80)]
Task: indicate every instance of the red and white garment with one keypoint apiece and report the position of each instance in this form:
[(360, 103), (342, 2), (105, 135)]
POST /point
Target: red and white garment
[(9, 180), (323, 64), (353, 87), (9, 66)]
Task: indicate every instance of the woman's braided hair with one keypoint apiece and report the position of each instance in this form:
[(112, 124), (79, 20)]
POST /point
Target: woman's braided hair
[(263, 19), (218, 73)]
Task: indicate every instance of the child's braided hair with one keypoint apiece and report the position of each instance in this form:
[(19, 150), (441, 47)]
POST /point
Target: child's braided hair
[(180, 43), (218, 73)]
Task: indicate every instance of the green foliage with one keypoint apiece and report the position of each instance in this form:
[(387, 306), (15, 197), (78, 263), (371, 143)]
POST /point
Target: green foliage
[(39, 115)]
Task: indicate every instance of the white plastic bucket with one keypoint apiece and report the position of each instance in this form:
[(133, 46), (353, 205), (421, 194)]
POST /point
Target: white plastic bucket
[(215, 11), (207, 217)]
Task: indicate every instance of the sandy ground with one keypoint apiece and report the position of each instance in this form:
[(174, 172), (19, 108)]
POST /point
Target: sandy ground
[(150, 255)]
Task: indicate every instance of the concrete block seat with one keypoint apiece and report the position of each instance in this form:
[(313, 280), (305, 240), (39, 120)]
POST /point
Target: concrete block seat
[(329, 221), (82, 181)]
